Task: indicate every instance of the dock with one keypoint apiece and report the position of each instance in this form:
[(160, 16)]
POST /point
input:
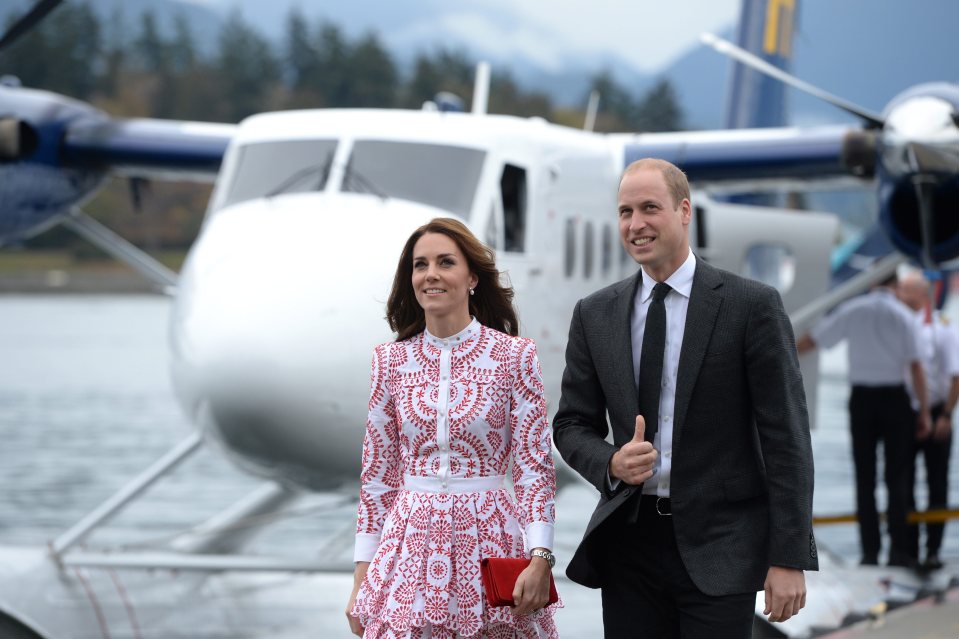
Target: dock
[(934, 617)]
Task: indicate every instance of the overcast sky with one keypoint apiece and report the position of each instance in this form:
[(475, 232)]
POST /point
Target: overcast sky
[(647, 33)]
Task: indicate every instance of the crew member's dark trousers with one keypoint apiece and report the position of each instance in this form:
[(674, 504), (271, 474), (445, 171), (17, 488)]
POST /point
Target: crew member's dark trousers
[(648, 592), (882, 413), (935, 453)]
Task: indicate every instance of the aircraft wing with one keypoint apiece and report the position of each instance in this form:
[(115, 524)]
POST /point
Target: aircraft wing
[(758, 159), (147, 148)]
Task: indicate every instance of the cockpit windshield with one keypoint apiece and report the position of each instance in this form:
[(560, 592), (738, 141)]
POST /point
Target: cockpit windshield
[(270, 168), (441, 176)]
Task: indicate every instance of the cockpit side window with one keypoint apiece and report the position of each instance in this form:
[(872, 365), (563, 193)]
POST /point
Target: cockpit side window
[(513, 188), (442, 176), (287, 166)]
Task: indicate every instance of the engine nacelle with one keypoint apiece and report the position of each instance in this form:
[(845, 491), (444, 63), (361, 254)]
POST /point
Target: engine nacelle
[(900, 217), (36, 189), (920, 147)]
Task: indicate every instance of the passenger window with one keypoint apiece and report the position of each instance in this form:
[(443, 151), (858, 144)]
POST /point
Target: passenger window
[(588, 250), (513, 189), (607, 252), (570, 257)]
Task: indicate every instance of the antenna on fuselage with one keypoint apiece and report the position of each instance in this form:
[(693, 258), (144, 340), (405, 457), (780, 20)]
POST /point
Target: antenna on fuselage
[(481, 89), (592, 108)]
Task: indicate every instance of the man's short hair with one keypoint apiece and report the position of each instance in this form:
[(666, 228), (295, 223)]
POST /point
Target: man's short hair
[(676, 181)]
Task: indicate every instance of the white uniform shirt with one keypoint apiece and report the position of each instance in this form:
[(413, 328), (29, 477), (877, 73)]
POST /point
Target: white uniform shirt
[(677, 302), (939, 354), (882, 336)]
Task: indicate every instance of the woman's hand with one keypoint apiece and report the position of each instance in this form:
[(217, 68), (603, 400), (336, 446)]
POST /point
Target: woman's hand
[(532, 587), (359, 573)]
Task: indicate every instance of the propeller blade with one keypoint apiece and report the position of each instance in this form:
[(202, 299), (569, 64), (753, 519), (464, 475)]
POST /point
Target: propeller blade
[(27, 22), (930, 159), (741, 55), (925, 188)]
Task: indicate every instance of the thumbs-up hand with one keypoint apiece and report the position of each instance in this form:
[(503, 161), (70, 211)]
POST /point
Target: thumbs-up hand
[(634, 462), (640, 434)]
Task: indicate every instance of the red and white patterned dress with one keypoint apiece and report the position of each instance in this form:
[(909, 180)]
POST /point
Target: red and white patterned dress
[(446, 418)]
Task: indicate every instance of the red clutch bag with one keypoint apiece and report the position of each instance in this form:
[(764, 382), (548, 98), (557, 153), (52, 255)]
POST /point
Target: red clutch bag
[(499, 578)]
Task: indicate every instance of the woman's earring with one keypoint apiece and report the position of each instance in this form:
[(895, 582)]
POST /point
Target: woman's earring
[(472, 291)]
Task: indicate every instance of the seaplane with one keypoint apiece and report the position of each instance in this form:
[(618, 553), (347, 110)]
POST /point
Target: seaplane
[(270, 356)]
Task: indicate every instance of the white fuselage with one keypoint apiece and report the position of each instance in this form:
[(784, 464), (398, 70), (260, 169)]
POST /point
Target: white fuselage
[(283, 295)]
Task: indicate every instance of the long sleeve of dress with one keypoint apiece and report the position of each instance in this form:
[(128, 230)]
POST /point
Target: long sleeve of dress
[(381, 474), (534, 477)]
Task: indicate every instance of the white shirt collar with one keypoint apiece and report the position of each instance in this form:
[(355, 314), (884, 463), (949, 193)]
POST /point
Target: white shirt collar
[(471, 330), (680, 281)]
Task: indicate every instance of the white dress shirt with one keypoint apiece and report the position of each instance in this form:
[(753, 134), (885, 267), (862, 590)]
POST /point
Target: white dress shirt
[(939, 354), (882, 336), (677, 301)]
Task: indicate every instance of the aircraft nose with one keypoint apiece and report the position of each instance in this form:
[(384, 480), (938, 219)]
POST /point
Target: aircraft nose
[(280, 306)]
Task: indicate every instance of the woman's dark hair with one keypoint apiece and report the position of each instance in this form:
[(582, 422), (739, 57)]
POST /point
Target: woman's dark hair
[(492, 303)]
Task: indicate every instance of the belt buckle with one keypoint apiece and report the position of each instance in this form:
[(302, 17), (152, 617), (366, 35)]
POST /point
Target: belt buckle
[(668, 513)]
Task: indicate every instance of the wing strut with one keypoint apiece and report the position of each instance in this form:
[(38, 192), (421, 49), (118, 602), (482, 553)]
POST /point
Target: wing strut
[(104, 238), (108, 508), (803, 318)]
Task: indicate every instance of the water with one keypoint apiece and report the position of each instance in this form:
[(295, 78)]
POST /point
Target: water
[(86, 404)]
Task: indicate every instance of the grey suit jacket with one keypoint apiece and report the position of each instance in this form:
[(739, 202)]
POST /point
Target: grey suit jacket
[(742, 471)]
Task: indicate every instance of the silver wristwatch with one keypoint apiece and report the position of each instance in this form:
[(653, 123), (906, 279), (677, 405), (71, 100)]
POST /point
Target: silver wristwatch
[(545, 554)]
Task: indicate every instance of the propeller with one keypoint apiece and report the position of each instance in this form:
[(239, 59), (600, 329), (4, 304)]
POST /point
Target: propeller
[(874, 120), (915, 143), (27, 22)]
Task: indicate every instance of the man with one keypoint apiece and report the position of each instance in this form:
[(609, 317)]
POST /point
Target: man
[(882, 347), (939, 354), (706, 488)]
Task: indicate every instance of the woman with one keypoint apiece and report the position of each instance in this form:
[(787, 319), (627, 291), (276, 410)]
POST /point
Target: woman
[(454, 400)]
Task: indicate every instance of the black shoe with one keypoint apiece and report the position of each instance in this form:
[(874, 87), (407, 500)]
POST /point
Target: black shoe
[(869, 561), (932, 562), (903, 561)]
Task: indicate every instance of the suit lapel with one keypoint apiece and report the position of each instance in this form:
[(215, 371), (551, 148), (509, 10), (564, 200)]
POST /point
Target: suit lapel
[(704, 302), (622, 342)]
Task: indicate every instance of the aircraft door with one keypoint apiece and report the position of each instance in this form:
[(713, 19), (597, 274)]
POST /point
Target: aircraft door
[(511, 216), (789, 250)]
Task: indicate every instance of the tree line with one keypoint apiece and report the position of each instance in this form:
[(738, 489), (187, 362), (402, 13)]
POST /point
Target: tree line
[(145, 72)]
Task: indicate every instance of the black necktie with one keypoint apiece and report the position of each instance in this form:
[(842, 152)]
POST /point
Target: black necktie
[(651, 360)]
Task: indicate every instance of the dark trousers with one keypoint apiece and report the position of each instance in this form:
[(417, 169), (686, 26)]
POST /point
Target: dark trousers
[(882, 414), (648, 593), (935, 454)]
